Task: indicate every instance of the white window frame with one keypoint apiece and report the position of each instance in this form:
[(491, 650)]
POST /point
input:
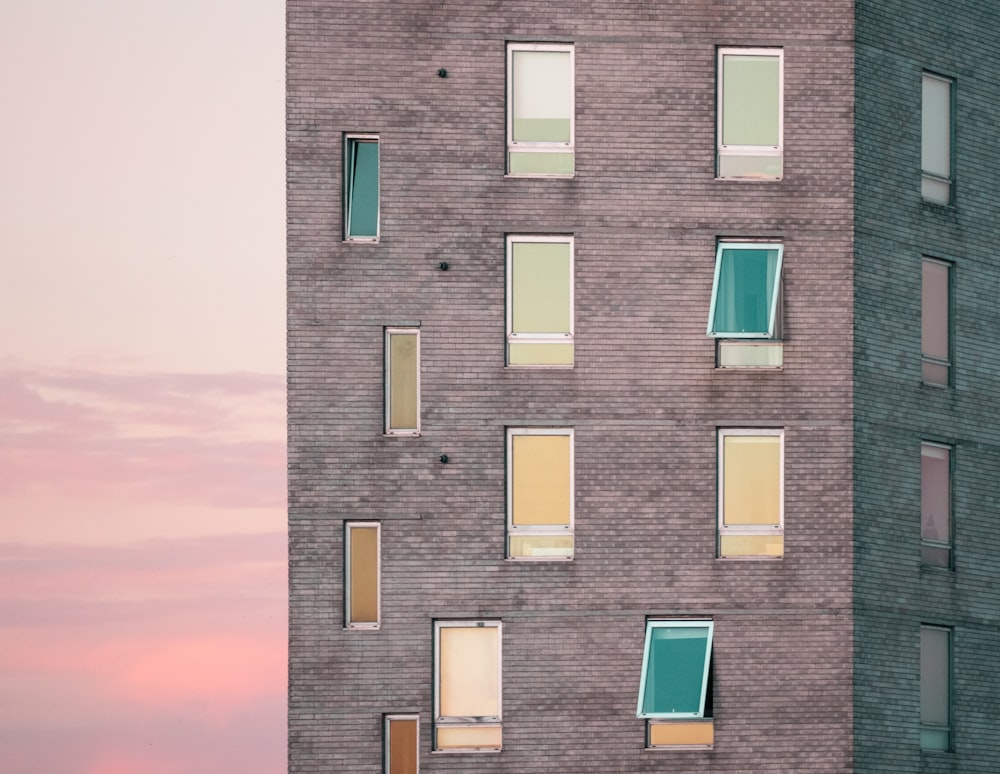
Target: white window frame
[(775, 312), (778, 150), (750, 529), (387, 399), (348, 186), (676, 623), (545, 530), (349, 527), (540, 338), (540, 147), (932, 176), (386, 739), (441, 721)]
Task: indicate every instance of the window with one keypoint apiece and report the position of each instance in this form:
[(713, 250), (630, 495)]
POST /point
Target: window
[(935, 688), (751, 493), (540, 300), (935, 504), (750, 113), (539, 493), (361, 187), (467, 685), (675, 686), (361, 562), (402, 381), (935, 139), (402, 744), (935, 322), (540, 120)]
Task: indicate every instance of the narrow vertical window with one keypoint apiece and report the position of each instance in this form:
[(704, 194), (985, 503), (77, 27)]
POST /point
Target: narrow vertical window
[(362, 564), (540, 109), (467, 686), (935, 688), (402, 381), (751, 493), (750, 107), (935, 504), (402, 744), (539, 493), (540, 300), (935, 322), (361, 194), (936, 139)]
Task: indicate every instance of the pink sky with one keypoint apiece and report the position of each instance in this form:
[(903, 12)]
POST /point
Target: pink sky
[(142, 457)]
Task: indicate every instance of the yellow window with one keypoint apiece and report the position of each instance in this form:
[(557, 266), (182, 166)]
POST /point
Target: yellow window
[(751, 520), (402, 381), (362, 550), (540, 493), (402, 738)]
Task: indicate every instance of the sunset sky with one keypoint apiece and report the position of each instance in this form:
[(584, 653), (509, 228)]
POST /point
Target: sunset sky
[(142, 458)]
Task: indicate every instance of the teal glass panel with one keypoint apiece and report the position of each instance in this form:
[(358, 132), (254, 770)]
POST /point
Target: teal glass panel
[(676, 670), (362, 189), (745, 292)]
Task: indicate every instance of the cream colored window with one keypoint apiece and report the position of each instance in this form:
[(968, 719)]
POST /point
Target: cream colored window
[(539, 493), (750, 105), (402, 381), (540, 109), (751, 493), (539, 300), (402, 744), (937, 115), (467, 683), (361, 559)]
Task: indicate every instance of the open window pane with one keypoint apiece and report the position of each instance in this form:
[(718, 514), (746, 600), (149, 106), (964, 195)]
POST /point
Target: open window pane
[(935, 688), (540, 108), (402, 381), (935, 504), (750, 113), (675, 669), (745, 291), (361, 205), (402, 739), (540, 493), (362, 553), (751, 495), (935, 322), (936, 139), (540, 301)]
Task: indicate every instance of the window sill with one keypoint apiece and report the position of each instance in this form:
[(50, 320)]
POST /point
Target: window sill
[(362, 627), (401, 434), (360, 241)]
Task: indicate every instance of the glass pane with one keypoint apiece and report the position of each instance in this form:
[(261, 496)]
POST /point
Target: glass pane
[(763, 167), (540, 546), (934, 373), (936, 191), (734, 354), (935, 494), (403, 368), (540, 163), (364, 575), (542, 95), (751, 491), (935, 739), (539, 354), (936, 127), (745, 291), (541, 479), (934, 310), (750, 100), (936, 556), (362, 189), (934, 680), (469, 671), (402, 745), (675, 672), (751, 545), (540, 287), (668, 734), (469, 737)]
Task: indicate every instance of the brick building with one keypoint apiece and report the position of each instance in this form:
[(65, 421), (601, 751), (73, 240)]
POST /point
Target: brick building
[(644, 386)]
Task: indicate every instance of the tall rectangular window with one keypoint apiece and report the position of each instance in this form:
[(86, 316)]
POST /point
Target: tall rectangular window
[(402, 744), (540, 109), (935, 322), (750, 109), (540, 300), (751, 493), (361, 194), (362, 549), (936, 139), (467, 680), (402, 381), (539, 493), (935, 688), (935, 504)]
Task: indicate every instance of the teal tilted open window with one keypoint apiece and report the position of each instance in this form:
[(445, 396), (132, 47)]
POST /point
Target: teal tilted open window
[(675, 662), (745, 291), (361, 188)]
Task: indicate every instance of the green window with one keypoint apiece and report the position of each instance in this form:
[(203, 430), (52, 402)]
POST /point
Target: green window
[(675, 665), (540, 109), (402, 381), (539, 301), (750, 112), (745, 291), (361, 187), (935, 688), (935, 138)]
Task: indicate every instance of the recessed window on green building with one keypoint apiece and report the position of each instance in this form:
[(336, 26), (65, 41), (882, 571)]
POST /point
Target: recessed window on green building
[(402, 744), (935, 504), (540, 301), (540, 110), (935, 688), (467, 681), (936, 139), (935, 322), (361, 193), (750, 113)]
